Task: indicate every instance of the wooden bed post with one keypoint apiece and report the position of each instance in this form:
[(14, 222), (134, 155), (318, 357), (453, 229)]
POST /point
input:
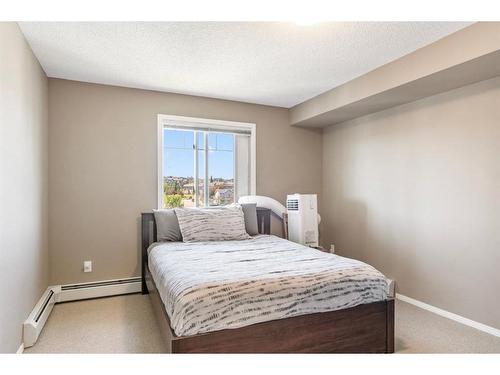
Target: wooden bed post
[(147, 219), (390, 326)]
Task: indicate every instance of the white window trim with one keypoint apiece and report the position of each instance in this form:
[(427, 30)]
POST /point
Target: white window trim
[(229, 126)]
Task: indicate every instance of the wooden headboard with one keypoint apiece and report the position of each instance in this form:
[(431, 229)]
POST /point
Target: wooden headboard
[(149, 235)]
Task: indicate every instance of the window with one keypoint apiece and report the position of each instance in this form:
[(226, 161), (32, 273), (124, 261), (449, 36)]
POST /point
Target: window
[(204, 162)]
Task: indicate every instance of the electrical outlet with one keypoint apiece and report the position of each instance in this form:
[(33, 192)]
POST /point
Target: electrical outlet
[(87, 266), (332, 248)]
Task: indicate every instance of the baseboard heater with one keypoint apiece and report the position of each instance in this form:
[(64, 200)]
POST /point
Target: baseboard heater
[(72, 292), (33, 326), (36, 320)]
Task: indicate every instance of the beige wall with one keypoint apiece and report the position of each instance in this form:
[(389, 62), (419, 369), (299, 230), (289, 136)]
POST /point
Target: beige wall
[(102, 168), (415, 191), (23, 184), (437, 67)]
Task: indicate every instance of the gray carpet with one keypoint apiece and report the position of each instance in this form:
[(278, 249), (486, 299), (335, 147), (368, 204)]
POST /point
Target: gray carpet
[(126, 324), (420, 331), (122, 324)]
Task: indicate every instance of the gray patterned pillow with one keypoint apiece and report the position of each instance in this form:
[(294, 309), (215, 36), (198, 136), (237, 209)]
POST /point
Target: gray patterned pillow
[(212, 224)]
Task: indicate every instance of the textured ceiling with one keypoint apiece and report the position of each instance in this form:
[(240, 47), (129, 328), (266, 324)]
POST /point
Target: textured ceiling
[(279, 64)]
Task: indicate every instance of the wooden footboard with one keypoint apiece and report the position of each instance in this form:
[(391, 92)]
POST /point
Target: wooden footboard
[(365, 328)]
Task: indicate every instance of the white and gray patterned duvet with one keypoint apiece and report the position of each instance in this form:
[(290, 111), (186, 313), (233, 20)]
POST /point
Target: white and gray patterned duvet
[(209, 286)]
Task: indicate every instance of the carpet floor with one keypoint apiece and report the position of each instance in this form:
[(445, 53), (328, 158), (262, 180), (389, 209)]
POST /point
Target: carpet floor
[(126, 324)]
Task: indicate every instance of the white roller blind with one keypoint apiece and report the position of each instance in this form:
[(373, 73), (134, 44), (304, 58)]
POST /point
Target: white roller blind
[(205, 127)]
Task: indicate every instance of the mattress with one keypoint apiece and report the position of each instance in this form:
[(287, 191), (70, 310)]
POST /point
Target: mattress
[(210, 286)]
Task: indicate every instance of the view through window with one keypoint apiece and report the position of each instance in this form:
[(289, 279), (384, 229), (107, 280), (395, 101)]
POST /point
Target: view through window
[(199, 168)]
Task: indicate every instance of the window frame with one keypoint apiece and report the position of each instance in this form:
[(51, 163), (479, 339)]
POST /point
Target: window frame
[(207, 125)]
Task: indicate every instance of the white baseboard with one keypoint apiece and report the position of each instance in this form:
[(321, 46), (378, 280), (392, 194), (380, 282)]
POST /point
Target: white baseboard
[(20, 350), (81, 291), (446, 314)]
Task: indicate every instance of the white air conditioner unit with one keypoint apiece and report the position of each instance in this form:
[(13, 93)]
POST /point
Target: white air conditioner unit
[(302, 212)]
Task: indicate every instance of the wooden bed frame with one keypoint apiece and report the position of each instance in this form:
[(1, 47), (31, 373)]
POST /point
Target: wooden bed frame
[(367, 328)]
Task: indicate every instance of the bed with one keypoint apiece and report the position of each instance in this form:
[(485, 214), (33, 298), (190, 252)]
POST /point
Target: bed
[(263, 295)]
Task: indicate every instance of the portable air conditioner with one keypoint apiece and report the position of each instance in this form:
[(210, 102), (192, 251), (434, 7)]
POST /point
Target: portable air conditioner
[(302, 212)]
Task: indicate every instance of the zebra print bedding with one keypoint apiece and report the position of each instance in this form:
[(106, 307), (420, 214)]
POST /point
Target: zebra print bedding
[(210, 286), (212, 224)]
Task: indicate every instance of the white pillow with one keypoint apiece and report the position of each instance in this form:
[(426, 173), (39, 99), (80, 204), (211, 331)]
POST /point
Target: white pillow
[(212, 224)]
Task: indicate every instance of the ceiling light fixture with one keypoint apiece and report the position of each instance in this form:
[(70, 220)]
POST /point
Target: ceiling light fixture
[(307, 21)]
